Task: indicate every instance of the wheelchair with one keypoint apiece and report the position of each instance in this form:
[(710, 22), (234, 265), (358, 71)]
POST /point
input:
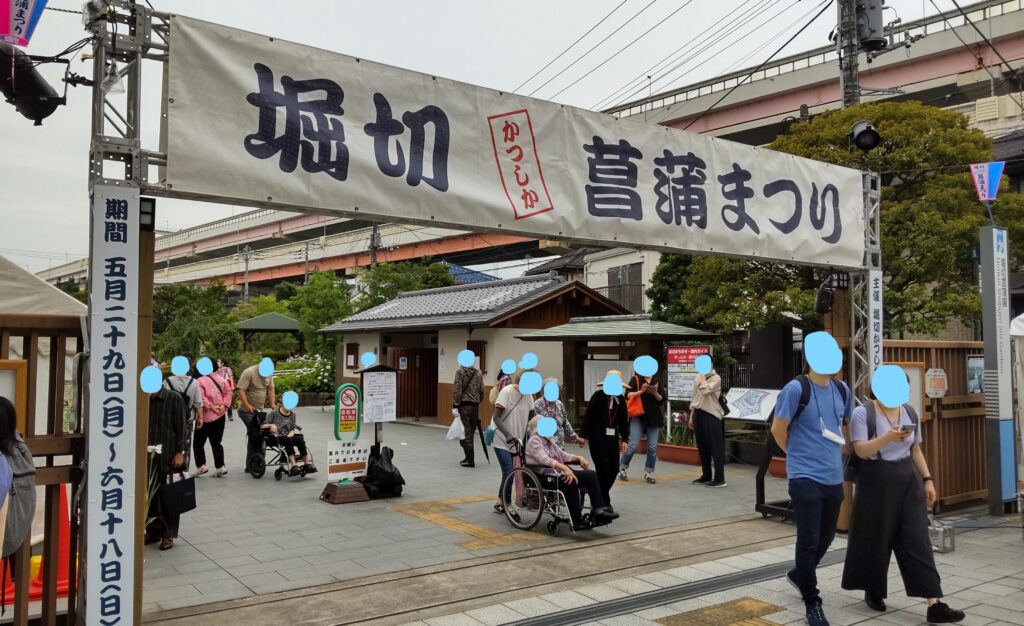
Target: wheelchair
[(267, 442), (533, 493)]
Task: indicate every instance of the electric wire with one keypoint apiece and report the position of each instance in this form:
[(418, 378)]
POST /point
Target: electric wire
[(562, 53), (758, 68), (989, 42), (669, 58), (707, 45), (607, 37), (624, 48)]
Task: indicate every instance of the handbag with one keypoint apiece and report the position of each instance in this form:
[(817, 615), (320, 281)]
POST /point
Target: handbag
[(635, 404), (456, 430), (177, 496)]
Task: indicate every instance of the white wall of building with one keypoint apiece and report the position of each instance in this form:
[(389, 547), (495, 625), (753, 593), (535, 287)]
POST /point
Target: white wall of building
[(501, 344), (598, 264)]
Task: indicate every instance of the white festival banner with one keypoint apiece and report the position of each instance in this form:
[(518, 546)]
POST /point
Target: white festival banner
[(258, 121)]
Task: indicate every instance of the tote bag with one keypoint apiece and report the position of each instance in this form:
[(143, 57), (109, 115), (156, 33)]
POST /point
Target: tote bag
[(177, 496)]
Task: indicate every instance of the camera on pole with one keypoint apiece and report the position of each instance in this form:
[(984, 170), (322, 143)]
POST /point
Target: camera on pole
[(23, 86)]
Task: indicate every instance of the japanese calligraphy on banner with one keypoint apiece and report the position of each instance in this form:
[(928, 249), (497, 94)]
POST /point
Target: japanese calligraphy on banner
[(258, 121), (113, 381), (18, 19), (876, 327)]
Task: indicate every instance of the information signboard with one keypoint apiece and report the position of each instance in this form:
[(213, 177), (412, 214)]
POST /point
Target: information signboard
[(682, 370), (380, 397)]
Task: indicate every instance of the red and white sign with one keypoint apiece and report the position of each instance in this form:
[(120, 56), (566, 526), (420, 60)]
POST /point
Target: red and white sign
[(348, 411), (515, 151), (935, 383), (682, 370)]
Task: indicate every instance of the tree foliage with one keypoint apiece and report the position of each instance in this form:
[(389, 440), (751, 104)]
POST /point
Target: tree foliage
[(275, 345), (75, 289), (929, 226), (198, 323), (385, 281), (324, 300)]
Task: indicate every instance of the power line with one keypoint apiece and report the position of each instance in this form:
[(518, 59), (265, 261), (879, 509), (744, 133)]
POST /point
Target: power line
[(655, 68), (607, 37), (757, 12), (562, 53), (989, 42), (756, 69), (624, 48)]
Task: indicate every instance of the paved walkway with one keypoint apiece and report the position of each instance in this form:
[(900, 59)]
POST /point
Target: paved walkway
[(253, 537), (984, 577)]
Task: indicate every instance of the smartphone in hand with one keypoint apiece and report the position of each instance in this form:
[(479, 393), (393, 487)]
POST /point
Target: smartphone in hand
[(908, 428)]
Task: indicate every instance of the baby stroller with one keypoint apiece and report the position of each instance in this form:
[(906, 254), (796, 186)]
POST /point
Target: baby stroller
[(263, 442), (534, 493)]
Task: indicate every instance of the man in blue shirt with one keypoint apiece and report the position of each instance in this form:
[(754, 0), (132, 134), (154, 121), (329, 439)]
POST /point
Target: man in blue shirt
[(812, 439)]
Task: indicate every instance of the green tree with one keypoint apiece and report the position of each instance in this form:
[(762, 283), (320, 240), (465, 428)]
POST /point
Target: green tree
[(167, 299), (387, 280), (199, 324), (285, 291), (324, 300), (75, 289), (929, 225)]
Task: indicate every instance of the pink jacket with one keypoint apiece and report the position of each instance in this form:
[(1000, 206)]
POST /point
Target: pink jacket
[(215, 391)]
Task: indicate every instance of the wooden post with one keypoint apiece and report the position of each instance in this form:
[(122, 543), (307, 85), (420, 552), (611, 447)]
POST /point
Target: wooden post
[(145, 344)]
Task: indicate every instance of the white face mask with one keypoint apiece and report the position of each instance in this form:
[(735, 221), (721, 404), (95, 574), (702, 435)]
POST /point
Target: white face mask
[(831, 436)]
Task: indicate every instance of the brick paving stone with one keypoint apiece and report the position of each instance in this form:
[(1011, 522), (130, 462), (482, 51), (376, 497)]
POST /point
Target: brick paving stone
[(495, 615)]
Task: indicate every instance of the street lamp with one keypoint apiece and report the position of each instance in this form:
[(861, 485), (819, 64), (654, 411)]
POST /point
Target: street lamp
[(864, 136)]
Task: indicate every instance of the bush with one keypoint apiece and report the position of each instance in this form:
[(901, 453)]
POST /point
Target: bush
[(305, 374)]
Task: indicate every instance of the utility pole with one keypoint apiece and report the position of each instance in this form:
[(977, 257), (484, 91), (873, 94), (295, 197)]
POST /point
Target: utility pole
[(374, 245), (246, 256), (305, 266), (849, 48)]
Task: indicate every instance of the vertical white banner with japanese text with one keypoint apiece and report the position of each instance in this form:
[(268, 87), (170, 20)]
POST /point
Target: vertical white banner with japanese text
[(258, 121), (876, 327), (113, 377)]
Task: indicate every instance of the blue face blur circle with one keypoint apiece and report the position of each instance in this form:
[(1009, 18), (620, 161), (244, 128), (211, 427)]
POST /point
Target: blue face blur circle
[(645, 365), (266, 367), (613, 385), (368, 359), (151, 379), (546, 427), (204, 366), (467, 358), (508, 366), (290, 400), (823, 353), (528, 362), (890, 385), (703, 364), (179, 365), (530, 383), (551, 391)]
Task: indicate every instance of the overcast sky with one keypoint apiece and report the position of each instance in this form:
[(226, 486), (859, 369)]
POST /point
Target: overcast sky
[(494, 44)]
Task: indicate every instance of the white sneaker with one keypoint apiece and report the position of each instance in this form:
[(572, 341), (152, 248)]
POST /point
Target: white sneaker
[(202, 470), (622, 475), (220, 471), (649, 478)]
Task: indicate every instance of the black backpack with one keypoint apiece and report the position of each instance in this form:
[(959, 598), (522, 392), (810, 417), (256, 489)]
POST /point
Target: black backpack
[(183, 394), (854, 462), (805, 395)]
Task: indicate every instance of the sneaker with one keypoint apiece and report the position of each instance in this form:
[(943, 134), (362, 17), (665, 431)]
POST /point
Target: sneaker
[(622, 475), (649, 477), (816, 615), (717, 484), (940, 613), (220, 471), (791, 579), (700, 481), (202, 470)]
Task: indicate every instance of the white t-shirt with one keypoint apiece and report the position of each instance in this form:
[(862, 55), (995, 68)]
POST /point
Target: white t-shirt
[(516, 416), (892, 451)]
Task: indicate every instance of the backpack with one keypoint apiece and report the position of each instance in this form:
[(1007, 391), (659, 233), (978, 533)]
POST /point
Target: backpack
[(805, 396), (183, 394), (854, 462), (22, 497)]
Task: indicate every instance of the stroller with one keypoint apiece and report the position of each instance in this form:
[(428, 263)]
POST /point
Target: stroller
[(260, 443)]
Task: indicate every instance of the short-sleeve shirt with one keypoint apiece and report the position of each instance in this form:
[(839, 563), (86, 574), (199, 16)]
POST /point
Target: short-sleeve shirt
[(255, 386), (892, 451), (518, 407), (808, 453)]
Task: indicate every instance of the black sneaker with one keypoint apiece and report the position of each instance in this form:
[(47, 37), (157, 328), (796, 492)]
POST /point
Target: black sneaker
[(700, 481), (876, 603), (717, 484), (816, 615), (940, 613)]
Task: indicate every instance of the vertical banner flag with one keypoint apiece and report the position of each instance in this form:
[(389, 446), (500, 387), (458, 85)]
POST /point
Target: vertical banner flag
[(875, 321), (18, 19), (986, 179), (113, 383), (296, 127)]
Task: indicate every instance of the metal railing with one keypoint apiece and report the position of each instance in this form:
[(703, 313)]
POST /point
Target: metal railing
[(631, 296), (929, 25)]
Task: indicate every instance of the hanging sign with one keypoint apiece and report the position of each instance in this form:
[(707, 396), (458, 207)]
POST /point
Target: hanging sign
[(113, 376), (18, 19), (986, 179), (295, 127)]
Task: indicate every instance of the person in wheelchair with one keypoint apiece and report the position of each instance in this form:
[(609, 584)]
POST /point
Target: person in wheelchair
[(281, 423), (551, 463)]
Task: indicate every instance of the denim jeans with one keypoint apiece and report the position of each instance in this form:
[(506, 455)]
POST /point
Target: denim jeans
[(505, 462), (637, 430), (815, 511)]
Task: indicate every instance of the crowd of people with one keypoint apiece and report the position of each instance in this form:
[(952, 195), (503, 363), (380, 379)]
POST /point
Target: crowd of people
[(826, 441), (191, 410)]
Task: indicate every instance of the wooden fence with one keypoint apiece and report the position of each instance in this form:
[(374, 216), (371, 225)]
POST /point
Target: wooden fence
[(58, 451)]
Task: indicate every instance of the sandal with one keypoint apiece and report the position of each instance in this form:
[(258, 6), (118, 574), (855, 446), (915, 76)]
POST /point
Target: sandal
[(166, 544)]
